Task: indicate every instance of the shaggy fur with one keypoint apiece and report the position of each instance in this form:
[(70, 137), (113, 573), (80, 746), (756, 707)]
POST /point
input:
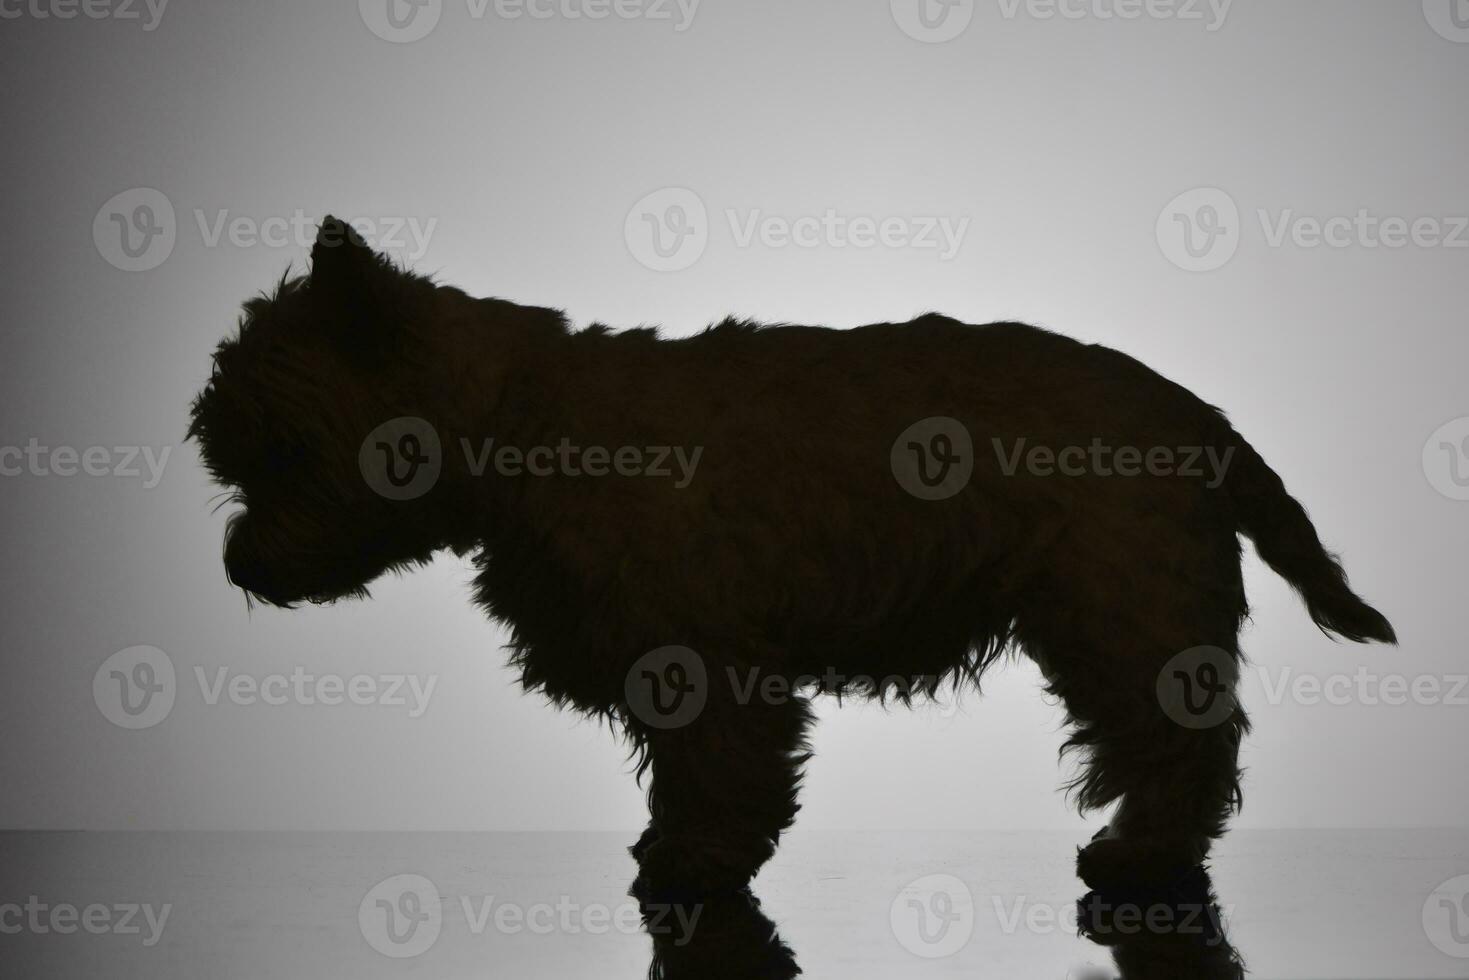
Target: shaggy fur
[(793, 551)]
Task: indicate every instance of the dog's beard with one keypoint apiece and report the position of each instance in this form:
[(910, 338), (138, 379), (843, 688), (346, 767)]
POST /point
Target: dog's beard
[(268, 570)]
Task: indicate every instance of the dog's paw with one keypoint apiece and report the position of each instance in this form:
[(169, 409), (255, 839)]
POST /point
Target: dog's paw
[(1110, 863), (1183, 915), (683, 869)]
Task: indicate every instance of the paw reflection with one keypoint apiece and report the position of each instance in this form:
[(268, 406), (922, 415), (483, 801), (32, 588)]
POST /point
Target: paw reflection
[(724, 936), (1162, 933)]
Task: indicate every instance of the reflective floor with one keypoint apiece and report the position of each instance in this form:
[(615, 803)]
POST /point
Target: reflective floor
[(1293, 905)]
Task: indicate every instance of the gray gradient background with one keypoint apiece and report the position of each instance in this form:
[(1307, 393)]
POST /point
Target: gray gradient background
[(529, 141)]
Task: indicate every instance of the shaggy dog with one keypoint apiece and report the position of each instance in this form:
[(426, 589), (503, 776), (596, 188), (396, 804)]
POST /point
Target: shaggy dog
[(692, 537)]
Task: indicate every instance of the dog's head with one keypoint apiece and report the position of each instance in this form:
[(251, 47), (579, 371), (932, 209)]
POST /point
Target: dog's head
[(282, 421)]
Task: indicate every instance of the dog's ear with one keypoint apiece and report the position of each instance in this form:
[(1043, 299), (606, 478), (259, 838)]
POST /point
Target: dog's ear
[(340, 256), (354, 285)]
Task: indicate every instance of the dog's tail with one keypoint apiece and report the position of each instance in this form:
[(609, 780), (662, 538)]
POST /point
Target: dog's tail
[(1287, 542)]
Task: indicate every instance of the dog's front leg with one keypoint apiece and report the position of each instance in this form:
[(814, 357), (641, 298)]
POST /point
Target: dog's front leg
[(723, 789), (648, 839)]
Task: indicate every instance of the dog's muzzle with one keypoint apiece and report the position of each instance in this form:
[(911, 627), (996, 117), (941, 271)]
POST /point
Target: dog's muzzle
[(254, 577)]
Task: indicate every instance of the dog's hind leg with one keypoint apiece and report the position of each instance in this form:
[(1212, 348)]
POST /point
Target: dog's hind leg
[(1178, 787), (723, 789), (1150, 689)]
